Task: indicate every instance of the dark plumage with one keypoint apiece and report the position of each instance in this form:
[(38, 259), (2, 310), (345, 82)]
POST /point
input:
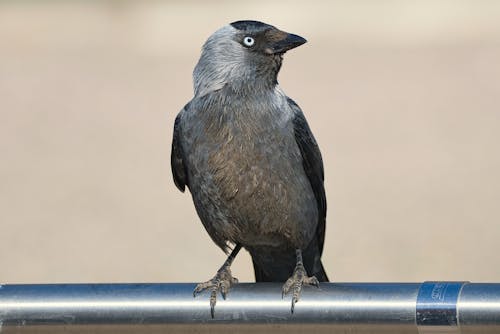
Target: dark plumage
[(250, 161)]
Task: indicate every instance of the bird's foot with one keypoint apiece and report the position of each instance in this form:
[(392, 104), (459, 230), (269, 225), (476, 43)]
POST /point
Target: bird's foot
[(221, 282), (295, 283)]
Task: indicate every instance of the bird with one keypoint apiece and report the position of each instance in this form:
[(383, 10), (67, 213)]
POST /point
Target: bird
[(250, 161)]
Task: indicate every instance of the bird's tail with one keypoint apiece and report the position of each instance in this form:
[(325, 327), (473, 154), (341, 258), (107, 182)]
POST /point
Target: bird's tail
[(321, 274), (261, 276)]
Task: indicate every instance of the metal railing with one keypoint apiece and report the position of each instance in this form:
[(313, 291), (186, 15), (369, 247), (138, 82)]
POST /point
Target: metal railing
[(430, 307)]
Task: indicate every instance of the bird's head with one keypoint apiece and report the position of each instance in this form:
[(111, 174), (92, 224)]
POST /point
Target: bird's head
[(243, 54)]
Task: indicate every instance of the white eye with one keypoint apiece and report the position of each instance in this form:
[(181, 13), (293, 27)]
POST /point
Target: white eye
[(248, 41)]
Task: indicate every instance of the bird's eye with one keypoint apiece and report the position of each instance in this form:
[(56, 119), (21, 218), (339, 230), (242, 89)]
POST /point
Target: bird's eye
[(248, 41)]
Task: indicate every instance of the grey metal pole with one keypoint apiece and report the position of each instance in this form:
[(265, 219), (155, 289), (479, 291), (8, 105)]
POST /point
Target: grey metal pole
[(430, 307)]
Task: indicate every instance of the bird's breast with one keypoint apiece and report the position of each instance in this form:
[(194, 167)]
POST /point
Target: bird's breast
[(253, 167)]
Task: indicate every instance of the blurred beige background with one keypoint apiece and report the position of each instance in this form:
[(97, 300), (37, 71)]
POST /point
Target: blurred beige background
[(403, 97)]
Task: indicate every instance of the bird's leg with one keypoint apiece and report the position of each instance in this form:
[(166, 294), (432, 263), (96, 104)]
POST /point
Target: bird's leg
[(297, 280), (222, 281)]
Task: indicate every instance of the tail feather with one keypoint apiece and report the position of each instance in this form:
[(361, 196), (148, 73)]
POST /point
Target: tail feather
[(321, 274), (261, 276)]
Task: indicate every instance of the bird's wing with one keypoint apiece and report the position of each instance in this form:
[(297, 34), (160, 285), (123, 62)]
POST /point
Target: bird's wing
[(177, 159), (313, 166)]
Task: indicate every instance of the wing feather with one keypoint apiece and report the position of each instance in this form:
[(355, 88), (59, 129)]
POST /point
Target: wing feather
[(177, 159), (313, 166)]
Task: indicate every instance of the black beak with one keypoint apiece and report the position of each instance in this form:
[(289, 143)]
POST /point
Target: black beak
[(289, 42)]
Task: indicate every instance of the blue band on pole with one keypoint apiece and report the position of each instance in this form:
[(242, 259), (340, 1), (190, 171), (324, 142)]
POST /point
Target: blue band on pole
[(437, 306)]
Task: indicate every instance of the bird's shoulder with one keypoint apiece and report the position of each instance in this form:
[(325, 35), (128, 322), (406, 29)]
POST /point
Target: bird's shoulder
[(304, 135), (188, 107)]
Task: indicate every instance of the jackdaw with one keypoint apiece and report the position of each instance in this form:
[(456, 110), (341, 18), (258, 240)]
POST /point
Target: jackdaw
[(246, 153)]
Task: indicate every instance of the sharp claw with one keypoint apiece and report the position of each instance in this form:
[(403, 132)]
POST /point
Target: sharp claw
[(296, 282), (196, 291), (314, 281), (213, 301), (224, 288), (221, 282)]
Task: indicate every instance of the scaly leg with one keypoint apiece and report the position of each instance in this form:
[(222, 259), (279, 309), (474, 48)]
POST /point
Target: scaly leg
[(297, 280), (222, 281)]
